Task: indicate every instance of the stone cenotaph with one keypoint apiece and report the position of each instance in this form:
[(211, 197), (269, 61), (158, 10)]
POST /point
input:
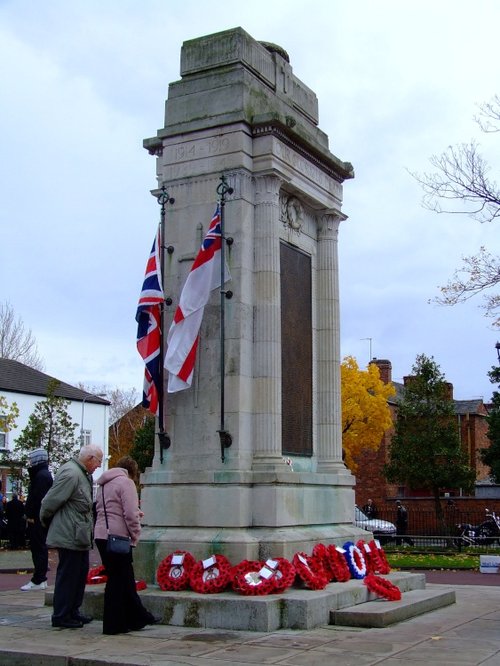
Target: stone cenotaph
[(239, 111)]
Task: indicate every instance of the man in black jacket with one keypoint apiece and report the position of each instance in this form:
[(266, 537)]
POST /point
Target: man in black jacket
[(40, 482)]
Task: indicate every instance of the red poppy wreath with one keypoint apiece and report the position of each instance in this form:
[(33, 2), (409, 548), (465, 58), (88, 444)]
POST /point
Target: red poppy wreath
[(284, 573), (338, 564), (310, 571), (211, 575), (320, 551), (383, 567), (382, 587), (173, 571), (253, 578), (96, 576), (371, 557)]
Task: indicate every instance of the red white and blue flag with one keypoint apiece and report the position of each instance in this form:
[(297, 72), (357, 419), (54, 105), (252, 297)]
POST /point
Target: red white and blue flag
[(148, 319), (183, 336)]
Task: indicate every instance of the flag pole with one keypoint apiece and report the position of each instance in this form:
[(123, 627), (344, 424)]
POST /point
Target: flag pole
[(225, 437), (163, 437)]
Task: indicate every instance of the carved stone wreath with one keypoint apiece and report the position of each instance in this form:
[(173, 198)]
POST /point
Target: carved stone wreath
[(294, 213)]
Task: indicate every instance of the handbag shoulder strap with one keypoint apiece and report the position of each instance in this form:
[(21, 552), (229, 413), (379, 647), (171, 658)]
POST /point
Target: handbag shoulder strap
[(104, 507)]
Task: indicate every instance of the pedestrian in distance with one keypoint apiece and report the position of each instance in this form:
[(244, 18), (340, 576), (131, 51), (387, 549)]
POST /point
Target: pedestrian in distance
[(402, 525), (67, 512), (118, 513), (370, 510), (16, 523), (40, 483)]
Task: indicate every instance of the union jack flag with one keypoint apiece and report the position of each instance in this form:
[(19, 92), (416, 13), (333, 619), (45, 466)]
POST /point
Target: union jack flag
[(148, 319)]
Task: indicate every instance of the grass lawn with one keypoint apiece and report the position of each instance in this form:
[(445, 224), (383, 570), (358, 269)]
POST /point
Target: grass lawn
[(433, 560)]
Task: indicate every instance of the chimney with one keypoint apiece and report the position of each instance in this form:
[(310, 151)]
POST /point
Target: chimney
[(385, 368)]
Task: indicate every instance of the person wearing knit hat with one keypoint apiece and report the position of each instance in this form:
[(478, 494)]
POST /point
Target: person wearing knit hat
[(37, 456), (40, 482)]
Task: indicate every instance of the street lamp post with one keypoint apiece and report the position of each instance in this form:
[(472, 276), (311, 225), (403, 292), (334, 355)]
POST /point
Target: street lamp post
[(497, 347)]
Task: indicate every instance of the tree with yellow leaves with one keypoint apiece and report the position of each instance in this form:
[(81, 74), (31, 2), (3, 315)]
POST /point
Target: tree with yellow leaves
[(365, 413)]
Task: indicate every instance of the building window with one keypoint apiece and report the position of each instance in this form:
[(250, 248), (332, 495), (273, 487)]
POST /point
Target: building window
[(85, 437), (3, 432)]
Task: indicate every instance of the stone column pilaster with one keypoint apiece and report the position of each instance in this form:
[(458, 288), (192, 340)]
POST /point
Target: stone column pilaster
[(267, 326), (329, 428)]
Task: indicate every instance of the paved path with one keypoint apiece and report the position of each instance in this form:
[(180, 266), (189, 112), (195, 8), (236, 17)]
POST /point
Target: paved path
[(467, 633)]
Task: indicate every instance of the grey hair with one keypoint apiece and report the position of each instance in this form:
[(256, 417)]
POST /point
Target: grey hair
[(88, 451)]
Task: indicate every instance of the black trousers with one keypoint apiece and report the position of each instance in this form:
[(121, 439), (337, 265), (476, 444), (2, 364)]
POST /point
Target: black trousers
[(39, 552), (123, 609), (71, 578)]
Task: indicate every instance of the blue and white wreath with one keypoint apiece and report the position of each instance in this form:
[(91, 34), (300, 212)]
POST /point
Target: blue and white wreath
[(355, 560)]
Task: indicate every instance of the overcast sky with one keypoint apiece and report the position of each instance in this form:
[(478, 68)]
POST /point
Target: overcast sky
[(83, 82)]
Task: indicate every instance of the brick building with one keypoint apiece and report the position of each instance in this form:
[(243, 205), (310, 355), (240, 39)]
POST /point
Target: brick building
[(370, 482)]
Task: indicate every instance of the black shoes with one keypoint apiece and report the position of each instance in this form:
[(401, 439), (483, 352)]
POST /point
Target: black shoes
[(84, 619), (76, 622), (67, 624)]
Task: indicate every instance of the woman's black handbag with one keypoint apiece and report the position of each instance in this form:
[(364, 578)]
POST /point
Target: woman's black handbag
[(119, 545)]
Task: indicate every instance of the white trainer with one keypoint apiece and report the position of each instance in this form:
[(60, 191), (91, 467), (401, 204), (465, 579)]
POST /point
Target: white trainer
[(33, 586)]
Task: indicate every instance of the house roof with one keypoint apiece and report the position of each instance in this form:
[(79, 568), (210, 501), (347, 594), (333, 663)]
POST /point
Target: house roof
[(475, 406), (19, 378), (470, 407), (400, 389)]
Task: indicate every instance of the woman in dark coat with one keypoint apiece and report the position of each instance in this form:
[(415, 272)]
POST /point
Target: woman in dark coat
[(123, 608)]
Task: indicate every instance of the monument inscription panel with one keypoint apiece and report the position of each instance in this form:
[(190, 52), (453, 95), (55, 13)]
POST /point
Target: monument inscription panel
[(296, 351)]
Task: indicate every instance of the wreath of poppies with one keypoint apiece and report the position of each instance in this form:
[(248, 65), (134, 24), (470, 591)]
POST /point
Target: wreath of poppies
[(96, 576), (175, 576), (382, 587), (310, 570), (320, 551), (338, 564), (372, 559), (284, 574), (208, 578), (253, 578), (384, 567), (355, 560)]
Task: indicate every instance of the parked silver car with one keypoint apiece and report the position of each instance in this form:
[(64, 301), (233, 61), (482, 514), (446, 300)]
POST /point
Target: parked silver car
[(382, 530)]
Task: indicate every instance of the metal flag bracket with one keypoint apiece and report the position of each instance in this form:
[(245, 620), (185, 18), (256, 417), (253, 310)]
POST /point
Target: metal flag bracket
[(225, 437), (163, 436)]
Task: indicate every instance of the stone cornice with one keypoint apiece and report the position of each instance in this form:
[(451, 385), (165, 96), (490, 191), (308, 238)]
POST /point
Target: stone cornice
[(330, 164)]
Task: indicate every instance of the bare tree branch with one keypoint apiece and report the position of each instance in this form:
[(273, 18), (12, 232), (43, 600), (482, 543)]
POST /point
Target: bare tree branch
[(17, 342), (479, 272), (461, 175), (489, 117)]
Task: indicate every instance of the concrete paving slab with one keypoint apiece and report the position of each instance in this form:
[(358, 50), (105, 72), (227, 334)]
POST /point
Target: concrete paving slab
[(467, 632)]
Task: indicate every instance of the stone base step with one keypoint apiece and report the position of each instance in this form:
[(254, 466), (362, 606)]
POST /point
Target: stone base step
[(382, 613), (294, 609)]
